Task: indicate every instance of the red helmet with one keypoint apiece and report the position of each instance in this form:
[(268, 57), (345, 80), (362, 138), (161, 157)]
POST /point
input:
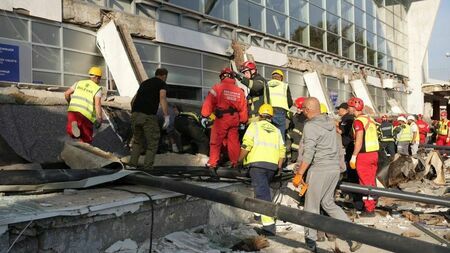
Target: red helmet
[(248, 65), (444, 114), (226, 72), (419, 116), (299, 102), (357, 103)]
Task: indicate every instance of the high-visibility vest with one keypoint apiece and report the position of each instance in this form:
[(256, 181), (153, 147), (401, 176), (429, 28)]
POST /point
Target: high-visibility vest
[(443, 127), (82, 100), (417, 138), (370, 140), (405, 133), (265, 145), (386, 132), (278, 94)]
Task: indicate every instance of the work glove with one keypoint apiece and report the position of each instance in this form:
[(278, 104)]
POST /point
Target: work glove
[(166, 122), (353, 162), (239, 76), (205, 122), (242, 126)]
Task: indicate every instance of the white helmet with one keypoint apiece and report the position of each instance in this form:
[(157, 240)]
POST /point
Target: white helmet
[(401, 118), (411, 117)]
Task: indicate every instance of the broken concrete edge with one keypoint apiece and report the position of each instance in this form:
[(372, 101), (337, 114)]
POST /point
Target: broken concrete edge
[(93, 16)]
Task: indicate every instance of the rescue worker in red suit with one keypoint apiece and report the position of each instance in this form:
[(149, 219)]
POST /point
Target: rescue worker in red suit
[(227, 101), (365, 154), (259, 89), (424, 128), (443, 135)]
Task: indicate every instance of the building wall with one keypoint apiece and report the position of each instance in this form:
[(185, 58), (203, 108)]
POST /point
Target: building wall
[(46, 9), (370, 34)]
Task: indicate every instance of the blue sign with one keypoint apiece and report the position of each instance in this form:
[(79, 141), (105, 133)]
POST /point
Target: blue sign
[(334, 97), (9, 63)]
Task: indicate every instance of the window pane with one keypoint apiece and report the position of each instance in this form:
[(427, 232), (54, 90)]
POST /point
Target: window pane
[(298, 9), (315, 16), (13, 28), (46, 78), (347, 49), (370, 23), (381, 46), (181, 92), (214, 63), (121, 5), (80, 63), (45, 34), (150, 68), (347, 11), (190, 23), (250, 14), (381, 60), (359, 51), (184, 76), (295, 77), (371, 40), (359, 17), (46, 58), (371, 57), (210, 78), (347, 30), (332, 6), (180, 57), (169, 17), (316, 37), (69, 80), (219, 8), (79, 40), (369, 7), (277, 5), (298, 91), (332, 43), (332, 23), (191, 4), (147, 52), (316, 2), (276, 23), (359, 35), (299, 31), (381, 30), (358, 3)]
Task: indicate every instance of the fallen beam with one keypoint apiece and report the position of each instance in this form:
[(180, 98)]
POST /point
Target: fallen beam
[(397, 194), (435, 146), (344, 230)]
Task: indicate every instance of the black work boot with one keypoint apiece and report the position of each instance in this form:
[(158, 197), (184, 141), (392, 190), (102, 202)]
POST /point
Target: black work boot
[(311, 245)]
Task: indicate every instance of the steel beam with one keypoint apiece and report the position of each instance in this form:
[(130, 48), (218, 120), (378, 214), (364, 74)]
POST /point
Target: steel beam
[(345, 230)]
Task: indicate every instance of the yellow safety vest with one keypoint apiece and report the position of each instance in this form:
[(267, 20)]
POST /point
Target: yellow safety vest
[(82, 100), (443, 127), (370, 141), (405, 133), (278, 94), (265, 145), (190, 114), (417, 138)]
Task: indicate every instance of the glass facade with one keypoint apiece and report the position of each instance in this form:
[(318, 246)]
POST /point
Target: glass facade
[(368, 31), (372, 32)]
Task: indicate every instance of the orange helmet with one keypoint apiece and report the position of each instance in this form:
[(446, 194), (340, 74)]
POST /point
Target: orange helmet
[(299, 102), (357, 103), (248, 65)]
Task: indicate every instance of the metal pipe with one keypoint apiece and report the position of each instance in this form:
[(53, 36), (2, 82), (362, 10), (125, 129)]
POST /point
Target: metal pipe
[(345, 230), (422, 228), (435, 146), (416, 197)]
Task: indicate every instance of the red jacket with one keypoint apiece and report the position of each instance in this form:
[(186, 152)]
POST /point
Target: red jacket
[(223, 96), (424, 128)]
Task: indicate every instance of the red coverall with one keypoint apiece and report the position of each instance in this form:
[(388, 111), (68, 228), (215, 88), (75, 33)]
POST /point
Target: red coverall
[(225, 96), (366, 167), (424, 129), (441, 140)]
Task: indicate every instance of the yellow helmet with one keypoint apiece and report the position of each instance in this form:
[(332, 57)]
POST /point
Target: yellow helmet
[(279, 72), (323, 108), (95, 71), (265, 109)]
